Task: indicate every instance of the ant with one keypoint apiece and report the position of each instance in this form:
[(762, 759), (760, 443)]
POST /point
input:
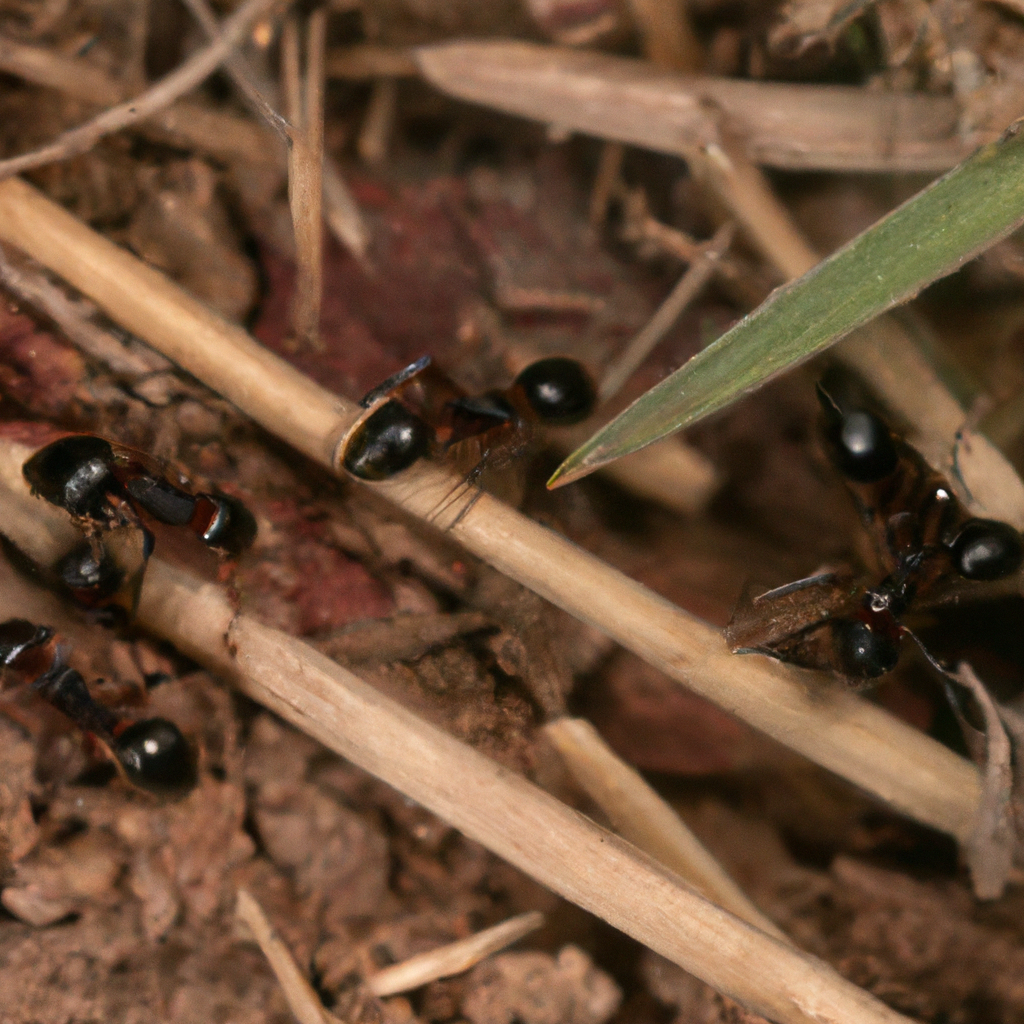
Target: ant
[(923, 537), (152, 754), (107, 487), (420, 412)]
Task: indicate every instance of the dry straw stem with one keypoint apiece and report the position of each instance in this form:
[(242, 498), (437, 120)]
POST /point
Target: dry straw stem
[(795, 127), (638, 814), (453, 958), (298, 993), (304, 104), (375, 134), (81, 139), (189, 125), (857, 740), (557, 846), (342, 213), (132, 360)]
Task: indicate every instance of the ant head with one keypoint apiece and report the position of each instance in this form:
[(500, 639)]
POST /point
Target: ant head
[(860, 442), (986, 549), (863, 652), (156, 757), (389, 440), (559, 390), (73, 473)]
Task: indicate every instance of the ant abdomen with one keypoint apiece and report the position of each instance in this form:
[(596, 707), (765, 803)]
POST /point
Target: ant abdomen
[(155, 757), (389, 440), (863, 652), (74, 473)]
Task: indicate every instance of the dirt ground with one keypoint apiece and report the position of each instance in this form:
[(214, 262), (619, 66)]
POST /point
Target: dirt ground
[(483, 249)]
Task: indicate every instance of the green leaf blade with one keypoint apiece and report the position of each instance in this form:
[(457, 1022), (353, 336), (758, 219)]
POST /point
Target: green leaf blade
[(928, 237)]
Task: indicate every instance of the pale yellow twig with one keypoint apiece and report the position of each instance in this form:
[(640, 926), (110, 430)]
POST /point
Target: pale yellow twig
[(454, 958), (638, 814), (166, 91), (837, 729), (298, 993)]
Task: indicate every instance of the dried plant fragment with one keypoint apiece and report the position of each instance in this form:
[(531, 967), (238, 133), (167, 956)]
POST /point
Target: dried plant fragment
[(453, 959)]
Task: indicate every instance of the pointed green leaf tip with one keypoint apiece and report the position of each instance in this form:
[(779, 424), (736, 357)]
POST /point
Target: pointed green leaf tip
[(931, 235)]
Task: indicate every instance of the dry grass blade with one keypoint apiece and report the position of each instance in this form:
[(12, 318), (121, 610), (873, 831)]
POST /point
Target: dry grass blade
[(638, 814), (304, 104), (185, 78), (857, 740), (454, 958), (992, 844), (788, 126), (557, 846), (238, 70), (301, 998)]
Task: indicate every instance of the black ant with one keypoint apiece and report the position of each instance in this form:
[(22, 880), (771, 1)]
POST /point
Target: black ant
[(923, 537), (420, 412), (108, 488), (152, 753)]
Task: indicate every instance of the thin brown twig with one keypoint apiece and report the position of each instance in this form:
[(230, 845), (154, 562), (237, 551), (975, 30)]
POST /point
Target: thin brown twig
[(198, 67), (369, 60), (238, 70), (665, 316), (516, 820), (342, 212), (123, 357), (858, 740), (609, 167), (990, 849)]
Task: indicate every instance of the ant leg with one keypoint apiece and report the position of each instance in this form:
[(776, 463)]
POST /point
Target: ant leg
[(470, 480)]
